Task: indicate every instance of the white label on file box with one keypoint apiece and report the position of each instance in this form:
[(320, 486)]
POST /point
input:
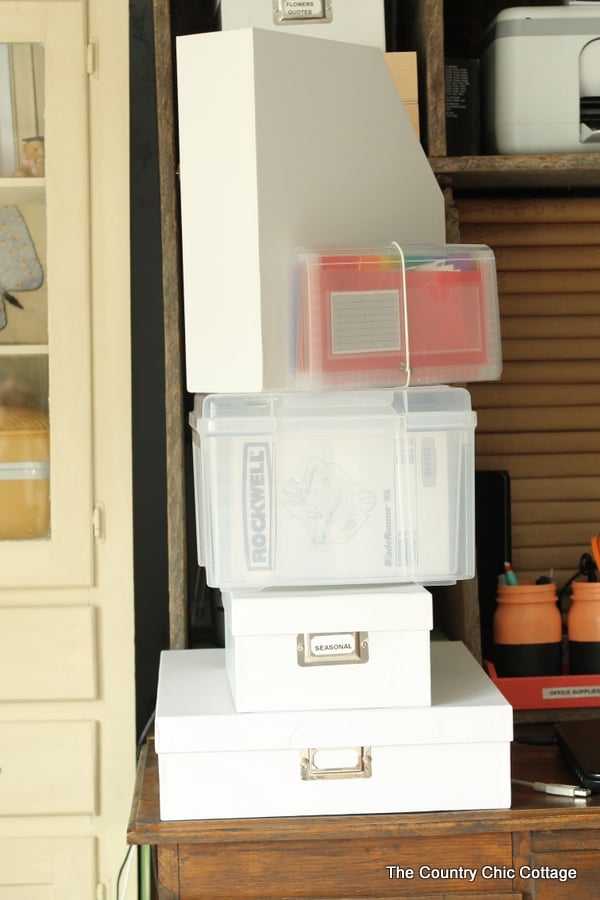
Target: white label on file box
[(332, 644), (424, 477), (365, 322), (428, 463), (432, 478)]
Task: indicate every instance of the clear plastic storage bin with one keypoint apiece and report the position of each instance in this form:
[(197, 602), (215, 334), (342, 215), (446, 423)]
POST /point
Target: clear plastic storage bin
[(393, 316), (338, 487)]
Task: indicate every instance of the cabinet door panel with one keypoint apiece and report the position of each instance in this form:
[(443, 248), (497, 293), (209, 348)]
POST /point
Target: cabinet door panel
[(45, 358), (47, 768), (26, 892), (47, 869), (54, 656), (269, 872), (492, 895), (565, 839), (586, 885)]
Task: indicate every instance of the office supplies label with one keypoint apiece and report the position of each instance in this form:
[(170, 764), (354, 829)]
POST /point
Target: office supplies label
[(558, 692)]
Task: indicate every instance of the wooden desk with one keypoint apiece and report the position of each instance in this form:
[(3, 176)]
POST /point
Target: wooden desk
[(337, 857)]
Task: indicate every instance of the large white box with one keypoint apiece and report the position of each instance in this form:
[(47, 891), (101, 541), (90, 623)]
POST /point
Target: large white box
[(285, 141), (540, 71), (338, 487), (216, 763), (323, 648), (337, 20)]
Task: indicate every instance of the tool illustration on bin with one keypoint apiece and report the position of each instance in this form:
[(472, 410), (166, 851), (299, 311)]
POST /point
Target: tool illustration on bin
[(333, 454)]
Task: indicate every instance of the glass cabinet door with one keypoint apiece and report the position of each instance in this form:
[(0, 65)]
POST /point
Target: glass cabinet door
[(45, 365)]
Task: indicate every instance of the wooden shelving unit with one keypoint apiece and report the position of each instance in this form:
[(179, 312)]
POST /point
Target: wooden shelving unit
[(434, 29), (544, 171), (440, 29), (430, 27)]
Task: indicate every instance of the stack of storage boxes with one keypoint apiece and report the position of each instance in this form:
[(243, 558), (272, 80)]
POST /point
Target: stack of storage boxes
[(321, 515)]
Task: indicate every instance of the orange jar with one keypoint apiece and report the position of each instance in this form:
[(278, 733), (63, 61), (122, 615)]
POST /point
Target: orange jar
[(527, 628), (583, 628)]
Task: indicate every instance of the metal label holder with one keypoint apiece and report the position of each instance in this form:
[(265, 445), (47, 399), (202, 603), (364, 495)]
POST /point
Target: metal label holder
[(298, 12), (312, 768), (332, 649)]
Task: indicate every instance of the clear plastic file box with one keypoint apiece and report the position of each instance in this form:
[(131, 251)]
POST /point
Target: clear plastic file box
[(396, 315), (339, 487)]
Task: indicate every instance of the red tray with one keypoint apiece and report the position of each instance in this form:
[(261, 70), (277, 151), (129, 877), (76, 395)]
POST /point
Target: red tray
[(548, 691)]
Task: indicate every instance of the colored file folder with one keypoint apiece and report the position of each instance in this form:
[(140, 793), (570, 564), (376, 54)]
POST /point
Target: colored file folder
[(393, 316)]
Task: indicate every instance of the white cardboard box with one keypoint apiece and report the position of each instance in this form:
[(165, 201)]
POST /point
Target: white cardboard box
[(339, 487), (285, 141), (402, 65), (216, 763), (353, 21), (316, 648)]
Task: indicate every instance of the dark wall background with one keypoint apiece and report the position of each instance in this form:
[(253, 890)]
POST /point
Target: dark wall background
[(149, 475), (148, 400)]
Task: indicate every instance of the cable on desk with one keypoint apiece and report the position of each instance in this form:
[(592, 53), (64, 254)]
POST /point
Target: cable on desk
[(125, 868), (126, 864), (559, 790), (144, 734)]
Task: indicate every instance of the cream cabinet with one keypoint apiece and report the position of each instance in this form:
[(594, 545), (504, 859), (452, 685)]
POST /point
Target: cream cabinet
[(47, 869), (45, 349), (67, 692)]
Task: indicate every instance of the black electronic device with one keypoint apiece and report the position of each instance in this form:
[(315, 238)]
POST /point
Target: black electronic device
[(579, 742), (493, 545)]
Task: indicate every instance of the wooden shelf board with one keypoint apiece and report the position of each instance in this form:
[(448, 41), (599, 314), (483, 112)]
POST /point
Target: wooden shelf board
[(23, 349), (550, 170), (16, 191)]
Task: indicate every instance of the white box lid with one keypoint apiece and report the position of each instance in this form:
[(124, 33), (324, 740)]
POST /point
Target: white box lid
[(528, 16), (195, 711), (561, 22), (370, 607), (422, 408)]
